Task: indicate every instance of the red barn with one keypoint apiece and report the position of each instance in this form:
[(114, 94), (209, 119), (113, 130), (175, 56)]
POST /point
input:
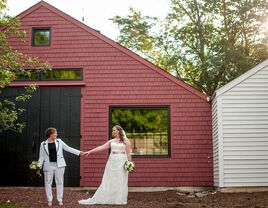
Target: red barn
[(96, 83)]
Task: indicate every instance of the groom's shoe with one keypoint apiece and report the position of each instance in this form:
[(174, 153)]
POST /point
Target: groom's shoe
[(60, 203)]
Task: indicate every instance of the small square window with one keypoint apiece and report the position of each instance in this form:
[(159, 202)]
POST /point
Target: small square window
[(41, 37)]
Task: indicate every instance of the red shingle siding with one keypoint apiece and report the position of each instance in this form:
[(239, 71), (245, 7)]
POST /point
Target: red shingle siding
[(113, 77)]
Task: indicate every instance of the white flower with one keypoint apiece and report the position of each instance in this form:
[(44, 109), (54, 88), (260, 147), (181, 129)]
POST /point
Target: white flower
[(35, 166), (129, 166)]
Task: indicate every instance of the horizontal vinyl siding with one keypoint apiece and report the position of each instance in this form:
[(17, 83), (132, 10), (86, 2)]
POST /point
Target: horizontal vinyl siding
[(245, 132), (215, 143)]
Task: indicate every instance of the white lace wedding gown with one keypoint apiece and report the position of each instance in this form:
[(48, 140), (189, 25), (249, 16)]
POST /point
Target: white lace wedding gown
[(114, 184)]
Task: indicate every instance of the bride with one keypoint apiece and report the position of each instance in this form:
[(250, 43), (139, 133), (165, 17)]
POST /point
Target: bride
[(114, 184)]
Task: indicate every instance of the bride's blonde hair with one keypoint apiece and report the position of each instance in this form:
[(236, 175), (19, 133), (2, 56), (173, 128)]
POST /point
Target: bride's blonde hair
[(122, 133)]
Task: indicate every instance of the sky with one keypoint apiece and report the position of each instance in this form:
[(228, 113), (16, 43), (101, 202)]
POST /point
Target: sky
[(97, 13)]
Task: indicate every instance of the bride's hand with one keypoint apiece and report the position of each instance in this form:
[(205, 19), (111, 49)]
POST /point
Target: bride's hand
[(87, 153)]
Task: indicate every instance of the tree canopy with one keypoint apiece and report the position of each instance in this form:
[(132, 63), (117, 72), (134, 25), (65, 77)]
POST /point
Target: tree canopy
[(12, 65), (141, 120), (206, 43)]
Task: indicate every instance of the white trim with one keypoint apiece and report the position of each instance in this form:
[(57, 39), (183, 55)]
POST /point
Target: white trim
[(241, 78), (220, 142)]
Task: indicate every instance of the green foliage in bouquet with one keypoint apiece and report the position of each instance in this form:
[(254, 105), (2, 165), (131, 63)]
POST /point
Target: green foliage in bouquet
[(129, 166), (36, 167)]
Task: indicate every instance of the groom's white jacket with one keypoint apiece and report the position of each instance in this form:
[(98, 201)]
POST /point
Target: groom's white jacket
[(60, 146)]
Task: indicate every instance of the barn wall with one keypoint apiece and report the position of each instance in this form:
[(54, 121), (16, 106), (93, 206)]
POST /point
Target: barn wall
[(115, 77)]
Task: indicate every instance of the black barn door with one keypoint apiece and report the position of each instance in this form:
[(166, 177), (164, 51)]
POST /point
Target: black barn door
[(48, 107)]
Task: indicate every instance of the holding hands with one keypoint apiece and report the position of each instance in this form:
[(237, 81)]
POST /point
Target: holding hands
[(85, 153), (82, 153)]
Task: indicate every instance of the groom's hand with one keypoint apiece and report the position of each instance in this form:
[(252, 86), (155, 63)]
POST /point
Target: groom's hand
[(82, 153)]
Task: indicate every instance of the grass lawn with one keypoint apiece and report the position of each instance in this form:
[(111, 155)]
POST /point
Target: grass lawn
[(8, 206)]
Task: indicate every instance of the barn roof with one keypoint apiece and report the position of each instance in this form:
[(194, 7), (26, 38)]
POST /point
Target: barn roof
[(113, 44), (240, 79)]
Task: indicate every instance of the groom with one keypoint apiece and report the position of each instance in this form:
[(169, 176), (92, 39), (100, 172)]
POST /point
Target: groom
[(52, 160)]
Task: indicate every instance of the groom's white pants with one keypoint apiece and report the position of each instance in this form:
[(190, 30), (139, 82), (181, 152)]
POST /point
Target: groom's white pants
[(59, 176)]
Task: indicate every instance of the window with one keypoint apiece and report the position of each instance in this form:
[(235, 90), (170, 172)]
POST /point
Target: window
[(28, 75), (52, 75), (146, 127), (41, 37), (62, 74)]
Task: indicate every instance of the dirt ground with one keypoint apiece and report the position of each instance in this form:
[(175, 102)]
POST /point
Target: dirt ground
[(35, 198)]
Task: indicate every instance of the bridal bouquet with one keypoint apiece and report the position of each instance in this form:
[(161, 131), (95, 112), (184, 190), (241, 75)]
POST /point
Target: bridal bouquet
[(36, 167), (129, 166)]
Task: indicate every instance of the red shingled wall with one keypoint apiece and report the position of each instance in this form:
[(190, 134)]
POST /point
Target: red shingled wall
[(114, 76)]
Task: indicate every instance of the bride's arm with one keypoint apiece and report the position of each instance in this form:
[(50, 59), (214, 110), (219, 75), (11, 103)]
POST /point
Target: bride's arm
[(99, 148), (128, 150)]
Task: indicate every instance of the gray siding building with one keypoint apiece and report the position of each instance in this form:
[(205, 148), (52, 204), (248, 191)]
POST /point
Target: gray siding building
[(240, 130)]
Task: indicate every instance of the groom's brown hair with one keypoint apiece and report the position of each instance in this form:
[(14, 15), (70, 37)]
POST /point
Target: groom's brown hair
[(50, 131)]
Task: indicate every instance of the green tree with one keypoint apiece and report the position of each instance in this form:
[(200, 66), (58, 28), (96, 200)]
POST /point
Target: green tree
[(12, 65), (206, 43), (141, 120)]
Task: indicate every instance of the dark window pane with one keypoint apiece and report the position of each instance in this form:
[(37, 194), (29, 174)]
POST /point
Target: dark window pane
[(52, 75), (28, 75), (41, 37), (62, 74), (146, 128)]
